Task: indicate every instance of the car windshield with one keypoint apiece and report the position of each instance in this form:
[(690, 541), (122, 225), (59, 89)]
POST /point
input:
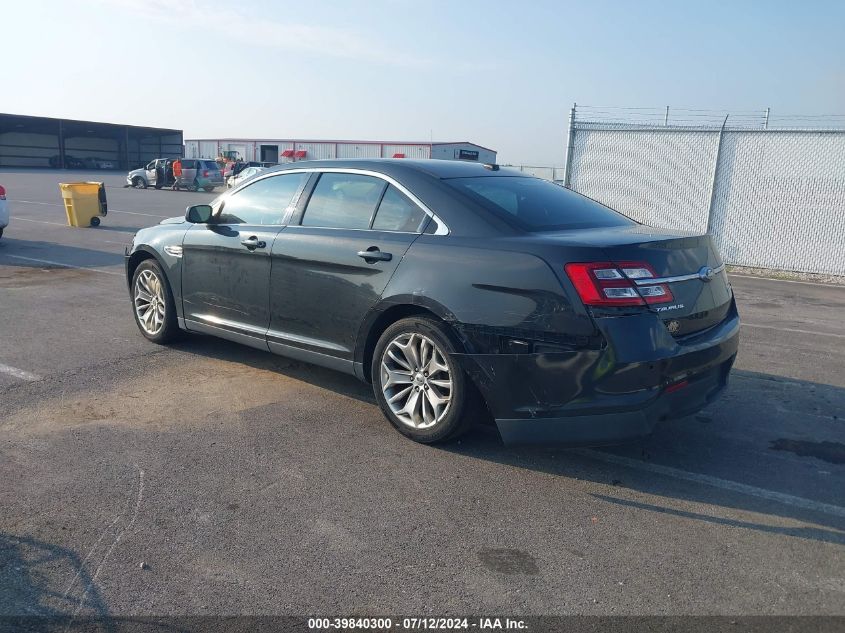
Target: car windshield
[(537, 205)]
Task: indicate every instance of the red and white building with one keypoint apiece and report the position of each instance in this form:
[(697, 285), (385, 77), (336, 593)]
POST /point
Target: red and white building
[(290, 150)]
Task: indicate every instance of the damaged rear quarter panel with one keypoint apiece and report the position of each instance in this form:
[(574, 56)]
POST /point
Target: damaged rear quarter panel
[(469, 283)]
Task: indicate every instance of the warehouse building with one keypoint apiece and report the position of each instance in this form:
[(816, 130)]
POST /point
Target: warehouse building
[(290, 150), (30, 141)]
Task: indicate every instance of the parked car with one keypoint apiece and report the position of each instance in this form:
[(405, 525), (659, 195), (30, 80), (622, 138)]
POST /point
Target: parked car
[(4, 210), (235, 179), (456, 289), (196, 174)]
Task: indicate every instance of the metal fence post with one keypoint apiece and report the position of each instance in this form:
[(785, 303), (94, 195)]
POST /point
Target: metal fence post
[(666, 118), (570, 149), (766, 121), (715, 175)]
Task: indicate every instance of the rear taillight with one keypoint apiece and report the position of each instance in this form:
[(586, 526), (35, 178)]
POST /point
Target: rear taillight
[(2, 193), (608, 284), (205, 174)]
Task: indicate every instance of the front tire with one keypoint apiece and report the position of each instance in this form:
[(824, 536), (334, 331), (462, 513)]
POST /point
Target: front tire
[(152, 303), (139, 183), (419, 387)]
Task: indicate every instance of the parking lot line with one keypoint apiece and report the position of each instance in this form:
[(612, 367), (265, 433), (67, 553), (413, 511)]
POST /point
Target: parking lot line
[(20, 219), (14, 372), (792, 329), (724, 484), (59, 204), (63, 265)]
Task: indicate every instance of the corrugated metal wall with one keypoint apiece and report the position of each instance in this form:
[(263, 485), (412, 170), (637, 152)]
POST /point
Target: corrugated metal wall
[(410, 151), (778, 196), (358, 150), (316, 151)]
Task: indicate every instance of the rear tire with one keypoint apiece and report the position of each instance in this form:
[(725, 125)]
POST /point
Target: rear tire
[(420, 388), (208, 189), (95, 221), (1, 232), (194, 186), (152, 303)]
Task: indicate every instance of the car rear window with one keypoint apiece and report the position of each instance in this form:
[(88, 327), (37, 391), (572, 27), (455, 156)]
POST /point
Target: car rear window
[(537, 205), (208, 164)]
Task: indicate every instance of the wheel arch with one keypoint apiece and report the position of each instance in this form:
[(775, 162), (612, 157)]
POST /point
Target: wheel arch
[(389, 312), (140, 255)]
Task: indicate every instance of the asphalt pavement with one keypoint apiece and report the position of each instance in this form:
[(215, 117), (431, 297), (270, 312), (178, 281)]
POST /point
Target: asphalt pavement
[(208, 478)]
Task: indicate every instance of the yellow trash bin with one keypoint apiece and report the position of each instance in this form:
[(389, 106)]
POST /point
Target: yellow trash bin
[(85, 202)]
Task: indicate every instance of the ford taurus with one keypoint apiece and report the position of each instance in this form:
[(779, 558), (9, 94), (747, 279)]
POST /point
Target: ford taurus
[(458, 290)]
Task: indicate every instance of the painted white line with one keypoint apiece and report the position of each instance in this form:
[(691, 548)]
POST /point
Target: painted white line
[(150, 215), (14, 372), (792, 329), (61, 204), (788, 281), (52, 263), (20, 219), (46, 204), (724, 484)]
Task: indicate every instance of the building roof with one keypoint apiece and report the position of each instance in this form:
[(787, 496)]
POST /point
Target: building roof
[(265, 141)]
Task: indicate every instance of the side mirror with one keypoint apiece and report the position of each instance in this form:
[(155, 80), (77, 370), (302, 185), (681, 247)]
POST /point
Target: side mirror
[(199, 213)]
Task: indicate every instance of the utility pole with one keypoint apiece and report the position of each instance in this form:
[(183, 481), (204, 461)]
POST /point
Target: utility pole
[(666, 118), (766, 121)]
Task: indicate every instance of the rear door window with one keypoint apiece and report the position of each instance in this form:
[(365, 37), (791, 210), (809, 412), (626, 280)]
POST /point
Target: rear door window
[(264, 201), (537, 205), (343, 201), (188, 163), (397, 212)]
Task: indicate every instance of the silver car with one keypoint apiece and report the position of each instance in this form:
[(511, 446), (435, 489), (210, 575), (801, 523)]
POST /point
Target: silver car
[(197, 173), (235, 179)]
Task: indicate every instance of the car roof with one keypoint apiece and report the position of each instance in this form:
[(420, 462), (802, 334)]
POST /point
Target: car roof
[(432, 167)]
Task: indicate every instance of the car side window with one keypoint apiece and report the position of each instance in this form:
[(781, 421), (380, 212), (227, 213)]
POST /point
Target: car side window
[(343, 201), (264, 201), (397, 212), (188, 164)]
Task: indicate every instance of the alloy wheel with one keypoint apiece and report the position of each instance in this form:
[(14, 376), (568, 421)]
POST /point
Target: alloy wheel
[(416, 380), (149, 302)]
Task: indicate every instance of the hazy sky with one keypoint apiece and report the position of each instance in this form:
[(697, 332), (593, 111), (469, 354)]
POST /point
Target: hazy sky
[(501, 74)]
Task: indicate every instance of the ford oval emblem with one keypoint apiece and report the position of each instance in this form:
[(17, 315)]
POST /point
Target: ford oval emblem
[(706, 273)]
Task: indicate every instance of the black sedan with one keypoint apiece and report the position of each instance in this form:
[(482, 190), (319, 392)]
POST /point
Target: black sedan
[(460, 291)]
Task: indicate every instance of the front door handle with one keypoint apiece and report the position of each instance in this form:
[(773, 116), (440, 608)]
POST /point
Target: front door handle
[(373, 255), (253, 242)]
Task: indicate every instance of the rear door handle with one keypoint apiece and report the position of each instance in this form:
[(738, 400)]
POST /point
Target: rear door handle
[(373, 255), (253, 242)]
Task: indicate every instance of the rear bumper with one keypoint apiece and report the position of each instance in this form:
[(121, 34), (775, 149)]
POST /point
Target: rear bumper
[(620, 392)]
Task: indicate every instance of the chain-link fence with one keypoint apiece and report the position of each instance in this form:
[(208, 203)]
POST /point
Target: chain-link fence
[(772, 198)]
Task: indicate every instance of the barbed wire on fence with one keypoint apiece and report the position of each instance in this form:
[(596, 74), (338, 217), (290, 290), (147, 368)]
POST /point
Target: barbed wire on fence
[(668, 116)]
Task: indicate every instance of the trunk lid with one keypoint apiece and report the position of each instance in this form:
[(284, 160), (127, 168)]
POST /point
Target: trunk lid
[(699, 300)]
